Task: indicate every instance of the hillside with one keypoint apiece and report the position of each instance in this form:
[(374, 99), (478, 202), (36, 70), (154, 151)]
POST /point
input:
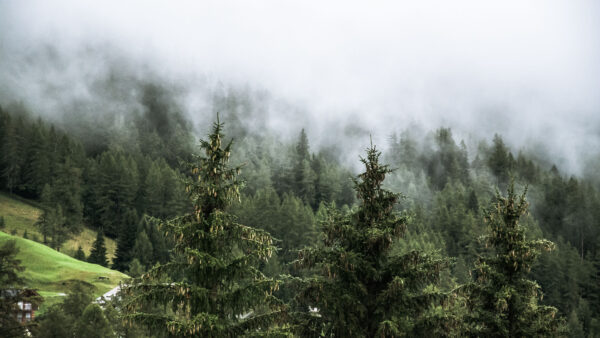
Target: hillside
[(21, 214), (52, 272)]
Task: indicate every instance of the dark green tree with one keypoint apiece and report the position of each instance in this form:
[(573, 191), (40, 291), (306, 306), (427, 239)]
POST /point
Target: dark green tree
[(79, 254), (213, 287), (98, 252), (52, 223), (360, 289), (115, 189), (38, 171), (304, 175), (93, 323), (126, 240), (500, 160), (142, 250), (503, 301), (11, 160), (10, 295), (61, 320)]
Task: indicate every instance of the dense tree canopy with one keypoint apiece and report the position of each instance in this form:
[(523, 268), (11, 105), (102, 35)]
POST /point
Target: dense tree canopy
[(359, 289), (503, 301), (213, 286)]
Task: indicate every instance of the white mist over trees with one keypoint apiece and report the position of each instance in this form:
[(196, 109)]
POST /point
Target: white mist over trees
[(527, 71)]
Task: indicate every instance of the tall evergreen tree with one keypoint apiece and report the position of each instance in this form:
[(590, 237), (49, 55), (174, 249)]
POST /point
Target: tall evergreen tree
[(11, 158), (304, 175), (500, 160), (98, 253), (79, 254), (38, 171), (503, 302), (213, 287), (10, 295), (142, 250), (52, 221), (360, 290), (126, 241)]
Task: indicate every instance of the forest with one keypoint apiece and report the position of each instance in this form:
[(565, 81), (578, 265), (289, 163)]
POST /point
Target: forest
[(242, 233)]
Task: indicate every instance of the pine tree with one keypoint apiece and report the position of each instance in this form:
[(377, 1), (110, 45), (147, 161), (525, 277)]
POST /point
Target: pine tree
[(503, 302), (98, 253), (52, 223), (37, 172), (135, 268), (125, 241), (93, 323), (499, 160), (304, 175), (10, 284), (142, 250), (361, 290), (79, 254), (215, 288), (11, 157)]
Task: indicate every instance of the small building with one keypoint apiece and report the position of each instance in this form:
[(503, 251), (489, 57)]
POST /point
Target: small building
[(28, 304), (27, 308)]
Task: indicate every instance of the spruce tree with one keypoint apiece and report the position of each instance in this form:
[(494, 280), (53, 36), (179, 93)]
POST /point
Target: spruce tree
[(126, 241), (11, 155), (98, 253), (79, 254), (304, 175), (10, 295), (503, 301), (360, 290), (212, 288), (52, 224)]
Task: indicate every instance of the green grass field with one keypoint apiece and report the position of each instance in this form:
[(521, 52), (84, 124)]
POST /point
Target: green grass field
[(52, 272), (20, 215)]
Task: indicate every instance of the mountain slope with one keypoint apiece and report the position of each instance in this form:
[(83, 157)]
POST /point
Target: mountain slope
[(21, 214), (52, 272)]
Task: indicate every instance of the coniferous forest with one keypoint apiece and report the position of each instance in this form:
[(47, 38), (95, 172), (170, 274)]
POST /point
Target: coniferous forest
[(306, 170), (224, 240)]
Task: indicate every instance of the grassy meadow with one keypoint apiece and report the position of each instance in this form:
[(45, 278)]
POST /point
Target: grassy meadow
[(20, 215)]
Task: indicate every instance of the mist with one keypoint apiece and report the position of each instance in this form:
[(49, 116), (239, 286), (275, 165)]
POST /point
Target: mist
[(343, 70)]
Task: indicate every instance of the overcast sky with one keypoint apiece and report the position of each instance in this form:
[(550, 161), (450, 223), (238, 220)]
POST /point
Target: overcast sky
[(526, 69)]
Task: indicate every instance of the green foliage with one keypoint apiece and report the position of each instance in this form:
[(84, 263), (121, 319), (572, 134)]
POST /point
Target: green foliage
[(135, 268), (10, 283), (126, 241), (51, 224), (69, 318), (213, 287), (288, 219), (98, 253), (360, 289), (80, 255), (503, 302), (142, 250), (500, 160), (50, 271), (93, 323)]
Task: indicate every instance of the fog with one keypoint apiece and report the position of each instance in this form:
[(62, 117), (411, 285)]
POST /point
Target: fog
[(529, 70)]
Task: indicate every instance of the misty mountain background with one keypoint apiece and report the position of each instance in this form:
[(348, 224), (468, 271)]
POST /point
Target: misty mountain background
[(342, 70)]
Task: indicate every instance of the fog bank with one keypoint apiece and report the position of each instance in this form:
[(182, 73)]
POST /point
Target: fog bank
[(341, 69)]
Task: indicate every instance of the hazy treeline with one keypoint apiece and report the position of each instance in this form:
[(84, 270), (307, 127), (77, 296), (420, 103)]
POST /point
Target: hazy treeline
[(110, 180)]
